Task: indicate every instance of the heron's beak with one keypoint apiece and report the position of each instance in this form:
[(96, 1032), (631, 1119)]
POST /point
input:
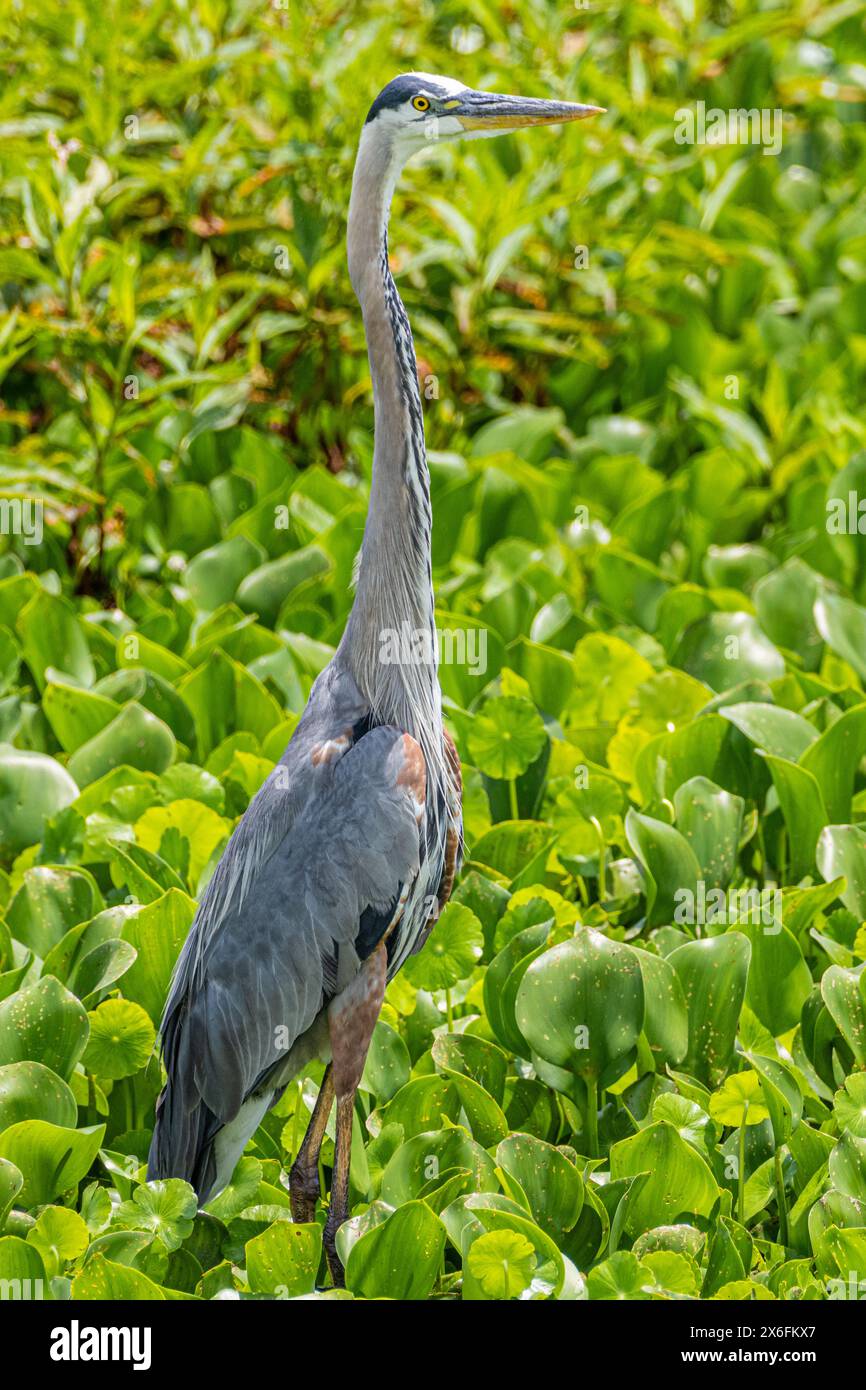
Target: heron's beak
[(489, 111)]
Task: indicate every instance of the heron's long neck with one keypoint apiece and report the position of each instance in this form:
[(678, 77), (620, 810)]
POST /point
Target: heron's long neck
[(390, 639)]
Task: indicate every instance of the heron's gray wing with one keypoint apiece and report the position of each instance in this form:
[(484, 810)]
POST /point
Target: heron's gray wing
[(291, 944)]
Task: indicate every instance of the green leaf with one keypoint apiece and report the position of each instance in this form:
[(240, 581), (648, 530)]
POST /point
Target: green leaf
[(33, 788), (724, 649), (506, 737), (842, 853), (50, 1158), (740, 1101), (136, 738), (842, 624), (552, 1185), (502, 1263), (777, 731), (850, 1105), (711, 820), (166, 1208), (283, 1260), (31, 1091), (101, 1280), (121, 1039), (713, 975), (43, 1023), (399, 1259), (669, 864), (679, 1180), (564, 1007), (157, 932), (451, 953)]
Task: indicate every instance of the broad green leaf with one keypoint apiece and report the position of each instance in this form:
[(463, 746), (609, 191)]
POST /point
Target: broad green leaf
[(713, 975), (564, 1008), (49, 1157), (400, 1258)]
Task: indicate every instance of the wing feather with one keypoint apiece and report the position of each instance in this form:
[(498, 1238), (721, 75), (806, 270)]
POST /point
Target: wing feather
[(264, 976)]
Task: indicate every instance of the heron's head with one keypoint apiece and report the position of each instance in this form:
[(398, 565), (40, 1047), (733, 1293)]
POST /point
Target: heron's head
[(418, 109)]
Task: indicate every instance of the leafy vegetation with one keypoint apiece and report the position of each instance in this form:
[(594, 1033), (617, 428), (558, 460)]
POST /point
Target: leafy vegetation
[(631, 1061)]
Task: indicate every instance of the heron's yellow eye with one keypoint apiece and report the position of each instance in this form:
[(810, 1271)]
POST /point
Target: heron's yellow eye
[(421, 103)]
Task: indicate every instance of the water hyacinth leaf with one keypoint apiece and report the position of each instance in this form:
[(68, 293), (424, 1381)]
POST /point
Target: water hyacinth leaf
[(482, 1061), (136, 738), (691, 1122), (552, 1185), (773, 729), (22, 1269), (804, 811), (711, 820), (672, 1273), (783, 602), (76, 715), (510, 847), (102, 967), (239, 1193), (199, 825), (11, 1183), (213, 576), (511, 963), (842, 853), (451, 952), (666, 1021), (850, 1105), (506, 737), (283, 1260), (419, 1104), (549, 1273), (844, 995), (43, 1023), (48, 903), (549, 673), (50, 1158), (679, 1180), (52, 636), (427, 1155), (713, 974), (59, 1235), (779, 980), (833, 760), (157, 932), (842, 624), (848, 1167), (620, 1276), (265, 590), (31, 1091), (782, 1095), (580, 1006), (669, 864), (739, 1101), (400, 1258), (388, 1064), (33, 788), (724, 649), (101, 1279)]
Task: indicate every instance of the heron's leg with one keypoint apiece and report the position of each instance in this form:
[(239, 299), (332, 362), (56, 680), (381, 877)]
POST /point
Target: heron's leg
[(351, 1019), (304, 1177)]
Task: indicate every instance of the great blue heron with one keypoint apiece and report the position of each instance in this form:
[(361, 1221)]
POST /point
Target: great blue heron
[(345, 857)]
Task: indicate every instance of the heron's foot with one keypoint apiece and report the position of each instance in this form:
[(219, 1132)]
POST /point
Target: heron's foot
[(304, 1192), (335, 1264)]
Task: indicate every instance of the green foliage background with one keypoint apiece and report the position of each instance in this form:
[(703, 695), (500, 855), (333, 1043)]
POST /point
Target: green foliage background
[(640, 455)]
